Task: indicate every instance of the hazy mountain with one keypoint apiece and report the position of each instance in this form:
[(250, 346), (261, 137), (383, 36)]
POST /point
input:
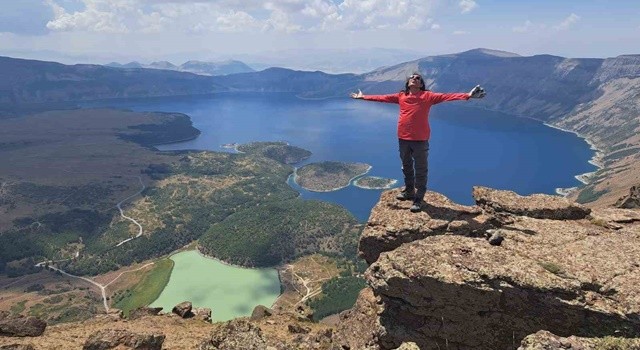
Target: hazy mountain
[(196, 67)]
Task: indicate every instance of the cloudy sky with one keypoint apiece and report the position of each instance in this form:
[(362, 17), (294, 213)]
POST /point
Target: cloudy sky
[(149, 30)]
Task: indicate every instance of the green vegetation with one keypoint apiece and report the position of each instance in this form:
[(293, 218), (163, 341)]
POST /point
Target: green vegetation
[(621, 154), (178, 128), (272, 233), (328, 176), (279, 151), (588, 194), (18, 307), (374, 182), (145, 291), (338, 294), (552, 267)]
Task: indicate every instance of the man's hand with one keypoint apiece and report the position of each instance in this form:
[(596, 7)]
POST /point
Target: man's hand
[(477, 92), (358, 94)]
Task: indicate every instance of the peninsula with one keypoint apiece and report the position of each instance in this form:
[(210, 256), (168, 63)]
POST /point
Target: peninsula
[(374, 182), (329, 176)]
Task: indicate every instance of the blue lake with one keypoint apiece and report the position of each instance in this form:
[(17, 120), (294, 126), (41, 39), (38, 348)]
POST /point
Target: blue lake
[(469, 146)]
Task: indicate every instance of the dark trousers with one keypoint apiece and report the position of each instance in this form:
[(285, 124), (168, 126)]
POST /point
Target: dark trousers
[(415, 165)]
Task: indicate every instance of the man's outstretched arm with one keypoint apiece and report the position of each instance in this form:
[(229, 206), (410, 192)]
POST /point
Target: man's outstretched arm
[(391, 98)]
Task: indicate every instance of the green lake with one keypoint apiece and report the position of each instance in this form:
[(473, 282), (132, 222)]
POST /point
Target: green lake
[(229, 291)]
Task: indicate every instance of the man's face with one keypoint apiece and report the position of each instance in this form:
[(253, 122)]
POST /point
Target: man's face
[(415, 81)]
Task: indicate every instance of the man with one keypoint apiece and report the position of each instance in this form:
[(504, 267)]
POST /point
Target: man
[(414, 132)]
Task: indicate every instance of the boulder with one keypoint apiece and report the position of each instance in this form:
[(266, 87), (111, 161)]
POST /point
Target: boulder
[(112, 338), (143, 312), (20, 326), (202, 313), (408, 346), (183, 309), (630, 201), (539, 206), (260, 312)]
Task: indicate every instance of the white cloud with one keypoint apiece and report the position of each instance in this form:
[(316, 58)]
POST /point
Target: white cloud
[(567, 22), (435, 26), (285, 16), (467, 5), (460, 32), (526, 27)]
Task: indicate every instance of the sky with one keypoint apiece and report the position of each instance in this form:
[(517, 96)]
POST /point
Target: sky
[(101, 31)]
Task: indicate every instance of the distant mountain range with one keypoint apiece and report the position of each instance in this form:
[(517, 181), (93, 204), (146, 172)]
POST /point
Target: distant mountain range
[(196, 67)]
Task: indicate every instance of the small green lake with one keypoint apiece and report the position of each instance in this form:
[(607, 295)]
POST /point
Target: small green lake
[(229, 291)]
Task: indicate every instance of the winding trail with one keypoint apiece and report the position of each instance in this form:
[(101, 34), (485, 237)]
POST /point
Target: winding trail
[(119, 205), (100, 286), (103, 288)]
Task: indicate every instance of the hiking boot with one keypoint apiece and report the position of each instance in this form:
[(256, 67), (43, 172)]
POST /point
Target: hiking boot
[(405, 195), (417, 206)]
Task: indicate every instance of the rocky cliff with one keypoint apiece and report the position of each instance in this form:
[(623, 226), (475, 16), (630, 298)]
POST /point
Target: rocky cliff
[(487, 276)]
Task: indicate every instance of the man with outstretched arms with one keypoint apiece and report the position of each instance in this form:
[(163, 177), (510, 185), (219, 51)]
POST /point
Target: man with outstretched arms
[(414, 131)]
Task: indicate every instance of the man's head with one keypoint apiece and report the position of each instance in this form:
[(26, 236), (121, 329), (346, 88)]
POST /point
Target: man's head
[(415, 81)]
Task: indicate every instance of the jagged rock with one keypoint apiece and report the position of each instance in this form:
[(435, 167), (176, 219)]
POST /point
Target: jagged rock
[(20, 326), (630, 201), (235, 334), (496, 237), (544, 340), (389, 226), (539, 206), (183, 309), (116, 314), (614, 217), (260, 312), (358, 328), (17, 347), (296, 328), (575, 277), (143, 312), (408, 346), (112, 338), (202, 313), (304, 312)]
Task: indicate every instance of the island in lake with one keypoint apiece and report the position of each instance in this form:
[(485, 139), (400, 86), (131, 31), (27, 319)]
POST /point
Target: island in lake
[(374, 182), (329, 176)]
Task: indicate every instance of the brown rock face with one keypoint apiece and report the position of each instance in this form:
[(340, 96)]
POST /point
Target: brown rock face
[(539, 206), (112, 338), (631, 201), (20, 326), (358, 327), (457, 291), (202, 313), (389, 226), (236, 334), (143, 312)]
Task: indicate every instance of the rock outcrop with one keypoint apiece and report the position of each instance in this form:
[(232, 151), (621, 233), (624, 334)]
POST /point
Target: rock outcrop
[(559, 267), (114, 338), (545, 340), (631, 201), (20, 326), (144, 312)]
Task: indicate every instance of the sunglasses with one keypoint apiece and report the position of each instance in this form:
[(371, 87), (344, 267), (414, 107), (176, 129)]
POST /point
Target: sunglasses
[(415, 77)]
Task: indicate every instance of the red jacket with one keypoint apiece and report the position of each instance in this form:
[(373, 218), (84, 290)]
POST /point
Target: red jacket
[(413, 123)]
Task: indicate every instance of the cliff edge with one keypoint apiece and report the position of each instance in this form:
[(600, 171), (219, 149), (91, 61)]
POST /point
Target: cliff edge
[(489, 275)]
